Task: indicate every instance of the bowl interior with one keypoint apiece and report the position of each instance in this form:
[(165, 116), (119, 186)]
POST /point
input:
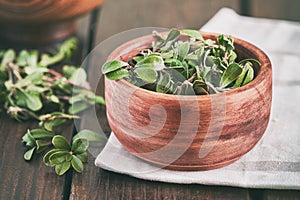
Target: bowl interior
[(244, 50)]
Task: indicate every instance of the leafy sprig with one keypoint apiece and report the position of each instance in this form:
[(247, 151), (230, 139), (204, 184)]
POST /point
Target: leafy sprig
[(63, 155), (30, 89), (184, 67)]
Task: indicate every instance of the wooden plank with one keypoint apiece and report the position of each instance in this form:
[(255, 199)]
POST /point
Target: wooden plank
[(96, 183), (21, 179), (109, 185), (32, 180), (282, 194)]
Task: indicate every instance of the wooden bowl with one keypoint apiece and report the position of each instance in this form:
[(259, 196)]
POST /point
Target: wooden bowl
[(190, 132), (41, 21)]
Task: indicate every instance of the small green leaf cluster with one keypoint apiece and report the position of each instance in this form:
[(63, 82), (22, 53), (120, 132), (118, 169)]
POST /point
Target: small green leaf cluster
[(36, 139), (64, 155), (29, 88), (187, 66)]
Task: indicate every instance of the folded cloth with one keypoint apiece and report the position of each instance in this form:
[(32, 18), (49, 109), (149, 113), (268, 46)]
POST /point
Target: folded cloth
[(275, 161)]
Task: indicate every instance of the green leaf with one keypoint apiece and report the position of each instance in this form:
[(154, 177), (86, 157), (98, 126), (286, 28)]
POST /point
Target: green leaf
[(83, 157), (28, 99), (200, 87), (185, 72), (30, 70), (54, 99), (36, 89), (76, 98), (251, 60), (90, 136), (113, 66), (77, 164), (28, 139), (32, 58), (62, 168), (78, 107), (186, 88), (33, 101), (58, 157), (34, 78), (154, 61), (22, 58), (164, 83), (138, 58), (64, 51), (67, 46), (173, 62), (27, 58), (47, 59), (78, 76), (79, 145), (117, 74), (46, 157), (41, 133), (68, 70), (183, 50), (245, 77), (192, 33), (146, 73), (8, 56), (9, 85), (49, 124), (226, 42), (41, 145), (69, 157), (60, 142), (173, 35), (99, 100), (230, 75), (28, 155), (214, 77)]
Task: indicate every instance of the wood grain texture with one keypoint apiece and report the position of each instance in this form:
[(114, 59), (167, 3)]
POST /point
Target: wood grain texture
[(43, 11), (282, 194), (96, 183), (107, 185), (175, 134), (41, 21)]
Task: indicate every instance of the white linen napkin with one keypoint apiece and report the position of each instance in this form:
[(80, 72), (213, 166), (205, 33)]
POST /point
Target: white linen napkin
[(275, 160)]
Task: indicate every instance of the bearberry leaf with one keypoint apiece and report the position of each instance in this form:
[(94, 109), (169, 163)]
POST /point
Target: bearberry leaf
[(60, 142), (77, 164)]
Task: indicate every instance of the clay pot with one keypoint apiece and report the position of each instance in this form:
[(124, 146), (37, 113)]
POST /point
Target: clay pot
[(41, 21), (190, 132)]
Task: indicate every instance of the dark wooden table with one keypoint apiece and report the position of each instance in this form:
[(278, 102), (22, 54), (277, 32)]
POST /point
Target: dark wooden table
[(33, 180)]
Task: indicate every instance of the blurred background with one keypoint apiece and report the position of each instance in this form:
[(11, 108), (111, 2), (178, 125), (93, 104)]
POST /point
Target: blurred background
[(35, 23), (120, 15)]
